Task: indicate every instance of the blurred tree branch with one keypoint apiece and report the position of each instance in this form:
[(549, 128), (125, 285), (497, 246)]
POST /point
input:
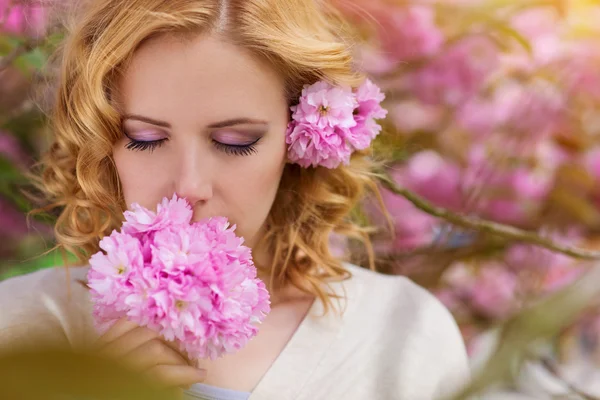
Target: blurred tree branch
[(553, 369), (539, 322), (485, 226)]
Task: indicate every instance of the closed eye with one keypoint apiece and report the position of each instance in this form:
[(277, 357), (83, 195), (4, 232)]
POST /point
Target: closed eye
[(237, 149), (230, 149), (140, 145)]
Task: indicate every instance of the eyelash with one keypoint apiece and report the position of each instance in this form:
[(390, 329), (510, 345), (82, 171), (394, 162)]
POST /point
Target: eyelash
[(231, 149), (144, 145), (237, 150)]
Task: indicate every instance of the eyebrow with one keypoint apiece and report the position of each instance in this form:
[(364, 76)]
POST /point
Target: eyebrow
[(220, 124)]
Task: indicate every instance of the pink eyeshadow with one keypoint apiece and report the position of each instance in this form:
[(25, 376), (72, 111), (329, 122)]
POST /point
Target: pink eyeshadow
[(234, 138), (146, 135)]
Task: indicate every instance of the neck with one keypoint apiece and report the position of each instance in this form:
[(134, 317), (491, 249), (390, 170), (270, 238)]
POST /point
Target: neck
[(278, 294)]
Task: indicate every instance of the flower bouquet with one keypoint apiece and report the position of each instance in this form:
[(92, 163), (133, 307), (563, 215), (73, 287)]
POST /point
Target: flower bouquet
[(194, 283)]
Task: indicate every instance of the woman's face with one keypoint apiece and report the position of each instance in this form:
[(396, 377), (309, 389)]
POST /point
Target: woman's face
[(205, 120)]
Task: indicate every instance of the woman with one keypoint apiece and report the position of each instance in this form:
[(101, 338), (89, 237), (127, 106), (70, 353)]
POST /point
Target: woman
[(193, 97)]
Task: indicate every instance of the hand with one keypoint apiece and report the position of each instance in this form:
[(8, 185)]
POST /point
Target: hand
[(145, 351)]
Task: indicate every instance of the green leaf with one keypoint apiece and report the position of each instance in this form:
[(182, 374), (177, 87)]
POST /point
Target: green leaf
[(10, 179), (5, 45), (55, 39), (8, 44), (16, 268), (8, 172), (514, 34), (23, 66), (502, 27), (36, 58)]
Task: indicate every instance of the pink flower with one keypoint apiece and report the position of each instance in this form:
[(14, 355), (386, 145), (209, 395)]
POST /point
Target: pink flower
[(11, 149), (408, 33), (106, 316), (560, 275), (493, 292), (490, 290), (433, 177), (539, 26), (413, 228), (373, 61), (437, 180), (324, 105), (311, 146), (23, 18), (553, 270), (578, 70), (591, 161), (412, 116), (196, 286), (330, 122), (12, 220), (455, 75), (532, 111), (510, 192), (524, 193), (172, 212), (110, 272), (369, 97), (448, 298), (478, 116)]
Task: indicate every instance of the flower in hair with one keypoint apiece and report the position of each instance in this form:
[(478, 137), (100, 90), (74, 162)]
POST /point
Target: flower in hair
[(330, 122), (369, 98), (195, 283)]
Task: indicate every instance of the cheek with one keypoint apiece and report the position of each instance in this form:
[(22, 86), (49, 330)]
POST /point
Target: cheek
[(253, 190), (134, 169)]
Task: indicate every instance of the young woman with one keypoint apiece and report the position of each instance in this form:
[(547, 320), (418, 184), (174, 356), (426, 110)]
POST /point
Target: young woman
[(194, 97)]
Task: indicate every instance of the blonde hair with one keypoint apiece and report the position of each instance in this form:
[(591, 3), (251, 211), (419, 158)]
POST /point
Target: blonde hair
[(302, 39)]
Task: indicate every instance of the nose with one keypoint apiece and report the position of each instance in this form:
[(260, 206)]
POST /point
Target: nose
[(194, 177)]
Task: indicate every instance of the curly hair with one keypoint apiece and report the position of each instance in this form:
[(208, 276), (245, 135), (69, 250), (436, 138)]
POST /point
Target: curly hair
[(306, 41)]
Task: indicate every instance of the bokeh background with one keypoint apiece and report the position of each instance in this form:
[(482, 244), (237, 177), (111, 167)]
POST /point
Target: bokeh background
[(493, 113)]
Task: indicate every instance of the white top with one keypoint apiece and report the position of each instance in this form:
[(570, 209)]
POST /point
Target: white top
[(394, 339)]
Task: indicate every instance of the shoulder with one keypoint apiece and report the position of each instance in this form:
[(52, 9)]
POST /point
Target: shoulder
[(52, 282), (397, 294), (397, 301), (49, 305), (412, 328), (44, 281)]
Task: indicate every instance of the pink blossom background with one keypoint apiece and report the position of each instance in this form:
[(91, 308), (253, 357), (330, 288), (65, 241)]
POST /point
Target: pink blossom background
[(492, 112)]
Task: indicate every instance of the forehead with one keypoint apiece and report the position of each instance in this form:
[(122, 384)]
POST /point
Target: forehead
[(204, 74)]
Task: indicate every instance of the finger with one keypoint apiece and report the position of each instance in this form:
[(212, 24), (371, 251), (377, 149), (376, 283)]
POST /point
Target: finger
[(153, 353), (121, 327), (177, 375), (175, 346), (129, 341)]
